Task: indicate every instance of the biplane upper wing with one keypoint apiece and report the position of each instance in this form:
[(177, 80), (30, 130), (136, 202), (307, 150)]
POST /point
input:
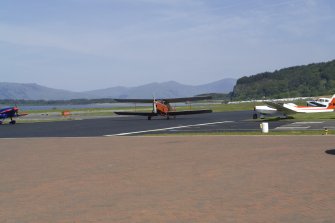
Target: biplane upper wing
[(189, 112), (170, 100), (134, 100), (198, 98)]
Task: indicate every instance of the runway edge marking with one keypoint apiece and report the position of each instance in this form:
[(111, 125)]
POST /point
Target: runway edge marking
[(170, 128)]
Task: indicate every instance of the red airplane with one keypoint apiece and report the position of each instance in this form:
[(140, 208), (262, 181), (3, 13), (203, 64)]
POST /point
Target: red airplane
[(162, 107)]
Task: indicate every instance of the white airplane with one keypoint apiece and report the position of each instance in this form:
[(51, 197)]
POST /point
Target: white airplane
[(320, 102), (290, 108)]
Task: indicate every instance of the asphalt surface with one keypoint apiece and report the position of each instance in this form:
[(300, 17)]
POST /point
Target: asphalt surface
[(134, 125)]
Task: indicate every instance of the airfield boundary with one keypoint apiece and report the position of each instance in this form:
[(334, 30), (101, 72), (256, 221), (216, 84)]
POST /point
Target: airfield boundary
[(168, 179)]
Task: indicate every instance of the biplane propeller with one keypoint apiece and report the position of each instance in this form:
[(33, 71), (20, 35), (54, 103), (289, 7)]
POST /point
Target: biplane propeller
[(162, 107)]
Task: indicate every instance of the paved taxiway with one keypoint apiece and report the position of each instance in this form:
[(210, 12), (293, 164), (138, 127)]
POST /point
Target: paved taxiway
[(213, 179), (225, 121)]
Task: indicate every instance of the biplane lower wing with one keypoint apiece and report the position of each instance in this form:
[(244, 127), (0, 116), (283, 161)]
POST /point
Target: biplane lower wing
[(137, 113), (169, 100), (171, 113), (189, 112)]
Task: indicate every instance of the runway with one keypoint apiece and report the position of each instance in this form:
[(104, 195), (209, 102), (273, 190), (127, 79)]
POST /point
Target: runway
[(238, 121), (134, 125)]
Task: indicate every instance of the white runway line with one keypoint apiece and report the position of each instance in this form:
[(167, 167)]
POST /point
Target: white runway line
[(297, 123), (170, 128)]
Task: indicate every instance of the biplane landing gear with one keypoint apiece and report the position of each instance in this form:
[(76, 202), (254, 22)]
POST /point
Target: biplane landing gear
[(12, 122), (149, 117)]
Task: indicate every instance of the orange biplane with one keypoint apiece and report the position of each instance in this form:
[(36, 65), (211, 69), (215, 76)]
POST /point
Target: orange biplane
[(162, 107)]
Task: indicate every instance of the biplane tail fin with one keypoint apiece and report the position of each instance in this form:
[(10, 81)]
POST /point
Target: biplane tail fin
[(331, 104)]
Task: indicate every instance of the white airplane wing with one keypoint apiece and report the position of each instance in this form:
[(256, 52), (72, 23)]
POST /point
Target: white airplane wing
[(281, 108)]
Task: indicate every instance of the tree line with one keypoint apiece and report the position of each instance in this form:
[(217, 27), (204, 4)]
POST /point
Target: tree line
[(300, 81)]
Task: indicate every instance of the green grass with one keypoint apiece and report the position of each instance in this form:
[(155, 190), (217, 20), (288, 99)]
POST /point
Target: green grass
[(247, 106), (315, 116), (85, 110), (252, 133), (214, 107), (233, 107)]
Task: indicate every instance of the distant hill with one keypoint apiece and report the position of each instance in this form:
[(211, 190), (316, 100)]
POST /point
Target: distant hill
[(299, 81), (163, 90), (35, 92), (166, 90)]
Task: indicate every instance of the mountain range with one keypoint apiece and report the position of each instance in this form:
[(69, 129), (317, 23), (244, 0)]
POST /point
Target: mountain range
[(169, 89)]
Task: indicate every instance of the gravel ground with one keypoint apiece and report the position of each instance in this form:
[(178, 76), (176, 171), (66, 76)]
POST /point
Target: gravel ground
[(168, 179)]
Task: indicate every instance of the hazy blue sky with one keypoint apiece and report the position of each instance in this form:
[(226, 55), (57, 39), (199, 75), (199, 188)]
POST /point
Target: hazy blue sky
[(90, 44)]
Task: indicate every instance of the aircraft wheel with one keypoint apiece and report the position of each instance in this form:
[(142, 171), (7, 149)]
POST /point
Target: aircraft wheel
[(149, 117), (12, 122), (254, 116)]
